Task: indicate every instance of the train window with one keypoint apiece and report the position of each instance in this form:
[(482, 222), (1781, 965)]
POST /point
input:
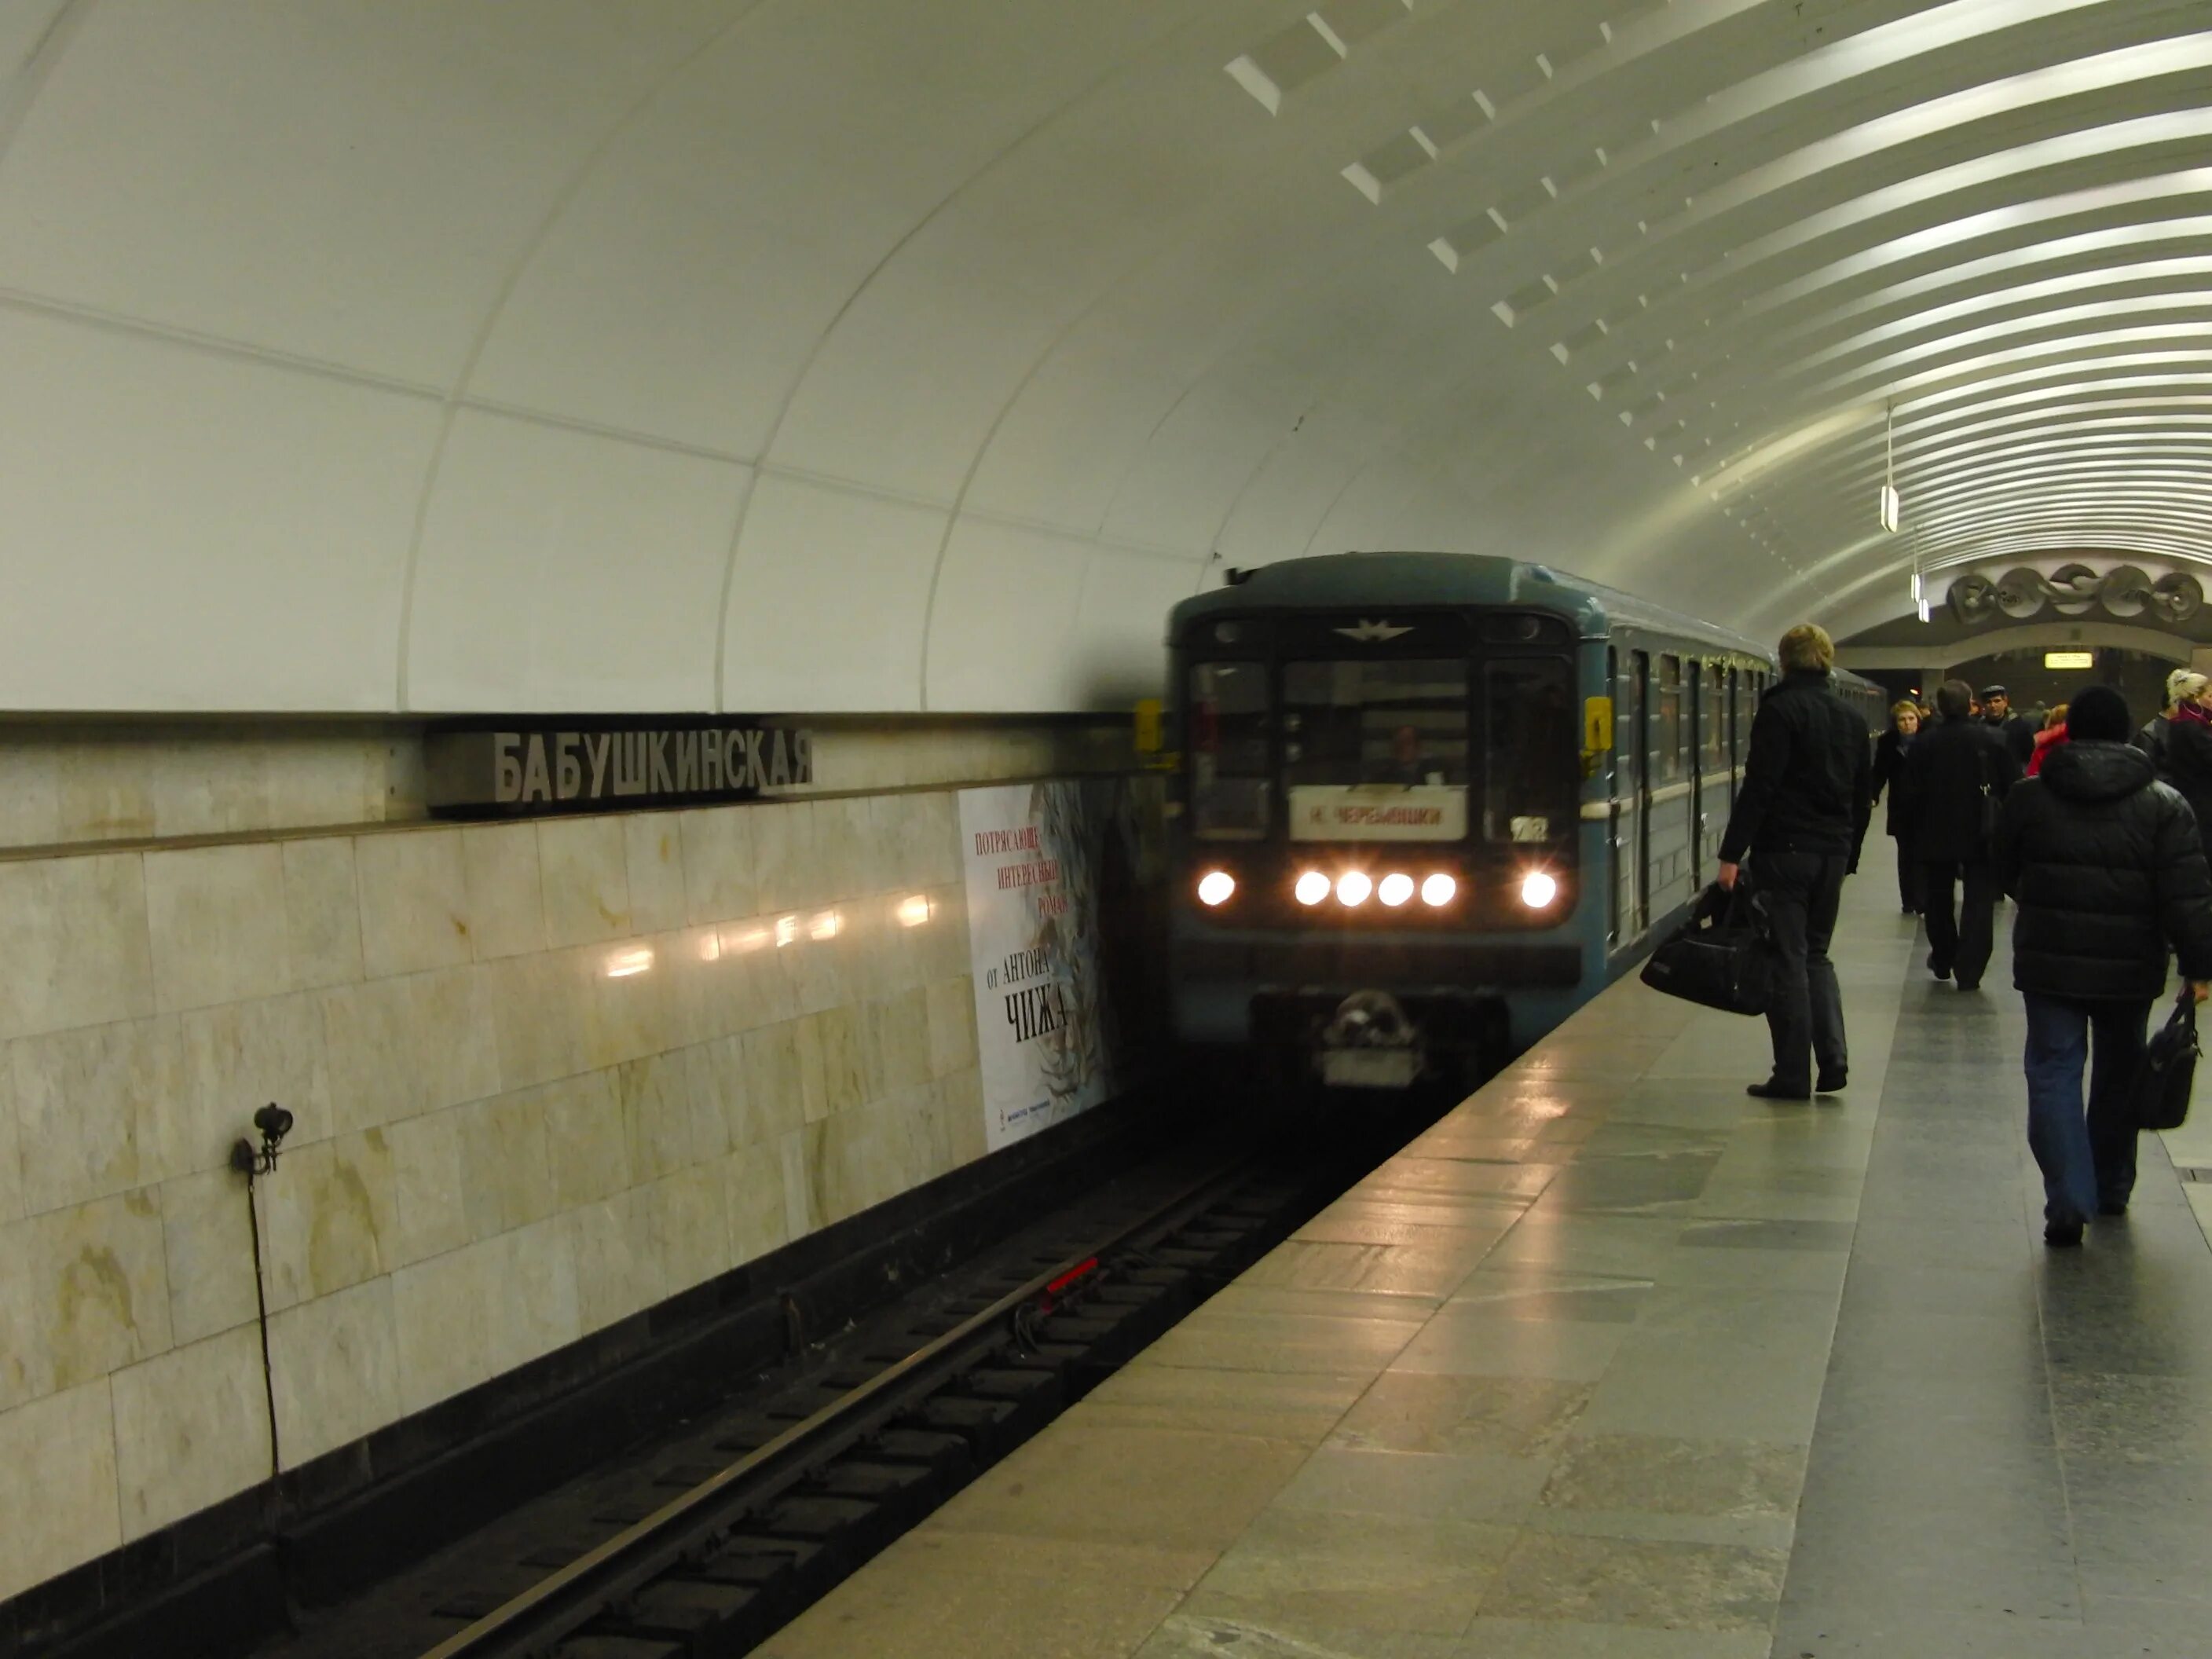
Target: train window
[(1712, 717), (1230, 786), (1381, 720), (1666, 732), (1534, 781), (1511, 629)]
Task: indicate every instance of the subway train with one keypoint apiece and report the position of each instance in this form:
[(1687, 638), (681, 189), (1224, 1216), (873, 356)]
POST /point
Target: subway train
[(1430, 803)]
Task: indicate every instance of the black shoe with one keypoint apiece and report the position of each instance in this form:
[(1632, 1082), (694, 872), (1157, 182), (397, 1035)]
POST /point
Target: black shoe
[(1831, 1083), (2111, 1208), (2063, 1235), (1969, 985), (1771, 1089), (1942, 971)]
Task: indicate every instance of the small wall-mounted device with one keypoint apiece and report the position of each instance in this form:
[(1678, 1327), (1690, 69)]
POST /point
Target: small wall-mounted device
[(275, 1123)]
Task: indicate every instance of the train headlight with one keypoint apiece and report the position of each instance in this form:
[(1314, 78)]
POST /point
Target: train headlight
[(1215, 886), (1394, 890), (1439, 889), (1312, 888), (1352, 888), (1538, 890)]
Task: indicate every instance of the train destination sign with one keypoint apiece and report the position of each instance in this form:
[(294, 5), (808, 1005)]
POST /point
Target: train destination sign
[(522, 770)]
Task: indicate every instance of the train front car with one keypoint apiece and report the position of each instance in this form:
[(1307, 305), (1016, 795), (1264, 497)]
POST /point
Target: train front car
[(1385, 868)]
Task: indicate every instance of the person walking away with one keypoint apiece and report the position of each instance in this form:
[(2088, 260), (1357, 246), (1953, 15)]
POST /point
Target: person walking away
[(2053, 734), (2151, 738), (2017, 731), (1958, 776), (2188, 759), (1800, 818), (2109, 872), (1889, 754)]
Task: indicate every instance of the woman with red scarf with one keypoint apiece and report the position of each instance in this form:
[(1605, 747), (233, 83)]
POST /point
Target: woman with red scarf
[(2053, 734)]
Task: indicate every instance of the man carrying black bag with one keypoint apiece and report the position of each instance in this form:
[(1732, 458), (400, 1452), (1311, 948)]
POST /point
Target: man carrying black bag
[(2109, 870), (1801, 815)]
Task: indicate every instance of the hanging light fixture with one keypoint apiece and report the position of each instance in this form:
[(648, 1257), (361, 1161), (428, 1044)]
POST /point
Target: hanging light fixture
[(1888, 510)]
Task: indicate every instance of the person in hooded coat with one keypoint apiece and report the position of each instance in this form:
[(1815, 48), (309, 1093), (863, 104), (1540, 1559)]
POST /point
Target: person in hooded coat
[(2109, 872)]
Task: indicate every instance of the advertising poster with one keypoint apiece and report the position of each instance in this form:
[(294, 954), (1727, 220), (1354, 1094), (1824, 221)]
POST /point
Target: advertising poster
[(1058, 926)]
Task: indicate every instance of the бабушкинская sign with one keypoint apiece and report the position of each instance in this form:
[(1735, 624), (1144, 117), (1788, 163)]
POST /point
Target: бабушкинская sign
[(521, 768)]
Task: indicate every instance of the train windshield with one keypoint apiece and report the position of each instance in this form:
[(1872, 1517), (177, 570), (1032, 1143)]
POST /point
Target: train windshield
[(1232, 786), (1534, 741)]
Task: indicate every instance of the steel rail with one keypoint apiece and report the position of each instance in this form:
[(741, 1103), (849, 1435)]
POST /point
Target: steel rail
[(555, 1606)]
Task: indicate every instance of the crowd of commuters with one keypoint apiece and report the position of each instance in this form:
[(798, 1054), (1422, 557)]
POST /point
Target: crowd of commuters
[(2099, 836)]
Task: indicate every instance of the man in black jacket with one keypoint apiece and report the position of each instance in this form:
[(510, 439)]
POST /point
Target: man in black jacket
[(2017, 730), (2109, 872), (1800, 815), (1957, 776)]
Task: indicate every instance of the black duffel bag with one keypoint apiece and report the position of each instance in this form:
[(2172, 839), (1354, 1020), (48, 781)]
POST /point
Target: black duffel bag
[(2159, 1097), (1722, 957)]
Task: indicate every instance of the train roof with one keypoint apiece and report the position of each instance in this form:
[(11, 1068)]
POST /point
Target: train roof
[(1352, 580)]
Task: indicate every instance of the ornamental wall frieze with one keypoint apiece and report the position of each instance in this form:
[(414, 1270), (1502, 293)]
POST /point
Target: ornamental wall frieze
[(2075, 590)]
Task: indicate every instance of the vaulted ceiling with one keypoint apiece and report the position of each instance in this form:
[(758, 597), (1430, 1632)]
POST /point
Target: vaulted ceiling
[(878, 355)]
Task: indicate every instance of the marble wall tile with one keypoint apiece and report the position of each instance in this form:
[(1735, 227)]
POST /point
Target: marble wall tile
[(539, 1011), (613, 1247), (11, 1162), (315, 780), (709, 989), (951, 1014), (215, 787), (218, 925), (507, 895), (415, 911), (718, 863), (442, 1315), (787, 861), (940, 948), (237, 1059), (88, 1109), (78, 951), (842, 1035), (104, 793), (844, 844), (899, 1048), (936, 841), (430, 1211), (656, 1098), (716, 1074), (652, 850), (760, 1216), (813, 1081), (802, 1208), (207, 1240), (192, 1427), (817, 966), (26, 1368), (969, 1133), (587, 1139), (690, 1222), (584, 867), (895, 830), (629, 1008), (537, 1308), (322, 912), (507, 1181), (30, 793), (399, 1046), (62, 1448), (775, 1090), (326, 1212), (100, 1284), (336, 1364)]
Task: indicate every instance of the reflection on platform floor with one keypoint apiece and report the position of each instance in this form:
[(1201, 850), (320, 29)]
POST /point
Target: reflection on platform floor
[(1615, 1364)]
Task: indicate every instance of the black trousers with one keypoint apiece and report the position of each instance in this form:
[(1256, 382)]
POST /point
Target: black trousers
[(1959, 939), (1806, 1017), (1911, 880)]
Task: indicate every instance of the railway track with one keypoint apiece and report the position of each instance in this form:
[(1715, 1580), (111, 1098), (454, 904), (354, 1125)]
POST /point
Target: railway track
[(710, 1540)]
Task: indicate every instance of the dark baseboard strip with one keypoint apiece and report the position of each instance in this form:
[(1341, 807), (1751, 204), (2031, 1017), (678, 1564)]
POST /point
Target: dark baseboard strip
[(219, 1582)]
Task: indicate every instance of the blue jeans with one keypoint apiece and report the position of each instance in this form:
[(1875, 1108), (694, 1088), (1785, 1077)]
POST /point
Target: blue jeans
[(2088, 1159)]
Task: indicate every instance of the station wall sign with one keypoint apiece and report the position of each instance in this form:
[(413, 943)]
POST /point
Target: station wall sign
[(527, 768)]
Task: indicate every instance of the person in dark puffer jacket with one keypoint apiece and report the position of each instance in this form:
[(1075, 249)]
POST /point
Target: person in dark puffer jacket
[(2109, 872)]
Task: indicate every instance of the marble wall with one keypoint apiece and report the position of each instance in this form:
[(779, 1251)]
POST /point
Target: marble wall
[(544, 1075)]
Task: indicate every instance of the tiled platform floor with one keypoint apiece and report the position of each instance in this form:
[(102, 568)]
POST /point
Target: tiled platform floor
[(1616, 1363)]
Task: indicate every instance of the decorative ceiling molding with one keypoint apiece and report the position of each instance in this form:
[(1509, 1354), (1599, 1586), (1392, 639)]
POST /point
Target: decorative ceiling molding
[(2125, 592)]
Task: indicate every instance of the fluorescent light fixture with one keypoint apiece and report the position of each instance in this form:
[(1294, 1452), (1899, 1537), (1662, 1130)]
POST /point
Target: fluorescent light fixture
[(1924, 608), (1888, 511), (2069, 659)]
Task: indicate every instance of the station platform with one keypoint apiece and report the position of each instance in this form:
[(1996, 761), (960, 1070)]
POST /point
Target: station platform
[(1614, 1363)]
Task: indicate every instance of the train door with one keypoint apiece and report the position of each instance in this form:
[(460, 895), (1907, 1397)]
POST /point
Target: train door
[(1713, 794), (1634, 743), (1615, 907), (1670, 836)]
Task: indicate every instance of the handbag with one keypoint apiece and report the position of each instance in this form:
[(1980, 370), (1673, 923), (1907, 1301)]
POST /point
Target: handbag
[(1721, 955), (2158, 1098)]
